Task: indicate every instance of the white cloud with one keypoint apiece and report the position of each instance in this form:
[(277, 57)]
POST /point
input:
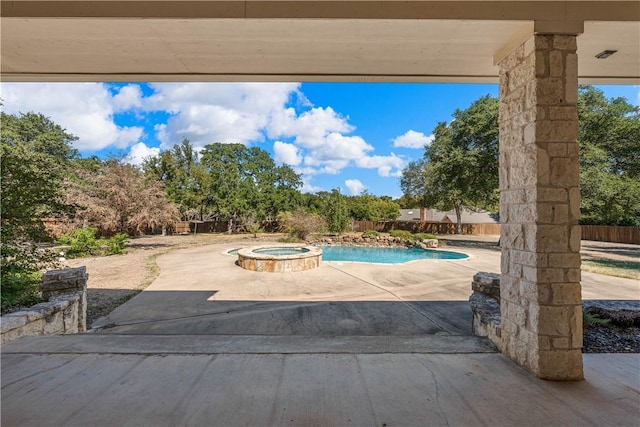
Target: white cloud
[(387, 165), (140, 152), (355, 186), (129, 96), (286, 153), (83, 109), (307, 187), (218, 112), (413, 139), (310, 128), (320, 137)]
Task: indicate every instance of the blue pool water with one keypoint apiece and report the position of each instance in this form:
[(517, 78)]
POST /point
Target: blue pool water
[(384, 255), (281, 251)]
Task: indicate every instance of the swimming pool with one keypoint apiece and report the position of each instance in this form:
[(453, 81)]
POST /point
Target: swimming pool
[(385, 255)]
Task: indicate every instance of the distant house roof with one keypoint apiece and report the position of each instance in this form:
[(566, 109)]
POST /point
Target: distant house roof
[(434, 215), (471, 217), (409, 215)]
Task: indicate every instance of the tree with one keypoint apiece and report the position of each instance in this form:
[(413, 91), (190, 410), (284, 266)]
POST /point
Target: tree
[(336, 212), (186, 180), (117, 198), (246, 182), (460, 167), (609, 137), (371, 208), (35, 154)]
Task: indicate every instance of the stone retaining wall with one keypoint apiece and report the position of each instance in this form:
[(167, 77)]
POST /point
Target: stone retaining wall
[(64, 312), (485, 307), (390, 241)]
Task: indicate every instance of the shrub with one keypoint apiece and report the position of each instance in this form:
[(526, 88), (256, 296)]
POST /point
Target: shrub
[(401, 234), (424, 236), (300, 224), (115, 245), (83, 242), (593, 319), (20, 288), (290, 239), (370, 233), (253, 228)]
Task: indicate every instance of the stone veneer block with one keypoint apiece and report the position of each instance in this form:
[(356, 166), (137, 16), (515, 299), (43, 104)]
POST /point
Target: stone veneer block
[(487, 284), (255, 261), (540, 207)]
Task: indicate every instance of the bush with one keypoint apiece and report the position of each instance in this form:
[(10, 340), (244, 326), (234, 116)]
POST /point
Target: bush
[(593, 319), (116, 245), (401, 234), (290, 239), (370, 233), (253, 228), (424, 236), (20, 288), (83, 242), (300, 224)]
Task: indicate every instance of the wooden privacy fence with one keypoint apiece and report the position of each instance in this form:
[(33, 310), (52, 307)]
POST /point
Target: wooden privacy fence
[(425, 227), (602, 233), (605, 233)]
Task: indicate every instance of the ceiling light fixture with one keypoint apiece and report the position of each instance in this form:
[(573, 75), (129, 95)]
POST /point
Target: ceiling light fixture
[(605, 53)]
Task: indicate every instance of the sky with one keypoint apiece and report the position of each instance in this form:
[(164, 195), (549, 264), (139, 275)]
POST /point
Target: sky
[(353, 136)]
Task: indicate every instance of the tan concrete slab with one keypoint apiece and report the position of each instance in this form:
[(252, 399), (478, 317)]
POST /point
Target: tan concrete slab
[(202, 291), (310, 389), (190, 372)]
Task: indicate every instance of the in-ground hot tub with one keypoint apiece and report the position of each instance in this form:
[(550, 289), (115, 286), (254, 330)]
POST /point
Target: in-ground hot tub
[(279, 258)]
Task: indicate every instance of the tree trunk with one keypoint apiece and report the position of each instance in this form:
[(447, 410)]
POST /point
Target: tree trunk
[(458, 209)]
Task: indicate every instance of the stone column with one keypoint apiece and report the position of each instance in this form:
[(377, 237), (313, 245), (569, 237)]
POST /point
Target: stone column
[(540, 207)]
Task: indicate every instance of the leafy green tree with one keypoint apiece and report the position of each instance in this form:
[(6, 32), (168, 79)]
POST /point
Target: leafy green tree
[(35, 155), (460, 167), (609, 137), (186, 180), (246, 182), (371, 208), (336, 212)]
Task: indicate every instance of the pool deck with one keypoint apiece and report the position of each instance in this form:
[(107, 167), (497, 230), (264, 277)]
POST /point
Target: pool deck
[(209, 343)]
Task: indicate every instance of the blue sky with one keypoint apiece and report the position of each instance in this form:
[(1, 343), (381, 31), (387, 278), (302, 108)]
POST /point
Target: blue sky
[(355, 136)]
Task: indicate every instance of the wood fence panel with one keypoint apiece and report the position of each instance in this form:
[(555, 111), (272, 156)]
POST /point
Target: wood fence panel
[(605, 233), (425, 227)]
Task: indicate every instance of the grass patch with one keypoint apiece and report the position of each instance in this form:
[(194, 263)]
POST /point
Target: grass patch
[(626, 269)]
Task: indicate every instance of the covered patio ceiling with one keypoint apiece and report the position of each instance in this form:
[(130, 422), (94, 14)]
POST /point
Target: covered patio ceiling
[(313, 40)]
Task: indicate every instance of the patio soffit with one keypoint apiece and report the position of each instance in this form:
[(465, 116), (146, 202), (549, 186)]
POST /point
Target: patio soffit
[(369, 41)]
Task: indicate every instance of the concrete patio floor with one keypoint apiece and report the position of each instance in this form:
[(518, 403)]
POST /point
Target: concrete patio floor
[(209, 343)]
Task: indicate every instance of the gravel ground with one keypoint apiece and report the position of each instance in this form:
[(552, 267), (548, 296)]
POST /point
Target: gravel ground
[(115, 279), (611, 339), (620, 334)]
